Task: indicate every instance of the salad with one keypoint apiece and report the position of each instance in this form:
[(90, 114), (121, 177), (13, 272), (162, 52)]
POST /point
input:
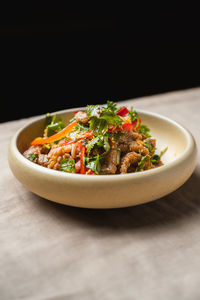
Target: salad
[(102, 140)]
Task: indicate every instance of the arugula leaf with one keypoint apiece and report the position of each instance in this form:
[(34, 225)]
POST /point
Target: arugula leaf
[(32, 156), (144, 130), (67, 165)]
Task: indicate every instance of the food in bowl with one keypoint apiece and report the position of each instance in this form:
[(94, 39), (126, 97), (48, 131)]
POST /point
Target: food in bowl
[(101, 140)]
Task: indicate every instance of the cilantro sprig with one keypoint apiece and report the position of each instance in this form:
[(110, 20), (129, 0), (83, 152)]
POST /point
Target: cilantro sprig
[(32, 156), (67, 165), (134, 116), (101, 117), (144, 130), (93, 163), (100, 141)]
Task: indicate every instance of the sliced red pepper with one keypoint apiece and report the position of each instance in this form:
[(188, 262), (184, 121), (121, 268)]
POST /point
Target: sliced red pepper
[(127, 126), (78, 166), (59, 135), (122, 112), (87, 134), (83, 169), (131, 126), (89, 171)]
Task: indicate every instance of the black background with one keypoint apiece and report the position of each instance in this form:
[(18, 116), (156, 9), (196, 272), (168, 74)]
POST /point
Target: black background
[(52, 59)]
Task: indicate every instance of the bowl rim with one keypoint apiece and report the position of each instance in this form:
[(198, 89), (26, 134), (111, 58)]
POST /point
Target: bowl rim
[(191, 145)]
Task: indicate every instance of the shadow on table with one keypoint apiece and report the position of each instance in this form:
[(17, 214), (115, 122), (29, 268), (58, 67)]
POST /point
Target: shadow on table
[(181, 204)]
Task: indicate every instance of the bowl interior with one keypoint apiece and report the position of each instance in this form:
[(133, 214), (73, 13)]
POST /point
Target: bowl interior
[(167, 134)]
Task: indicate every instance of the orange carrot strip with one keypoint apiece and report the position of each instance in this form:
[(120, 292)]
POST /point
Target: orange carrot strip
[(59, 135)]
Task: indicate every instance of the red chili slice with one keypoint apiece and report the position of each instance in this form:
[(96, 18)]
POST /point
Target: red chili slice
[(127, 126), (78, 166), (83, 169), (122, 112)]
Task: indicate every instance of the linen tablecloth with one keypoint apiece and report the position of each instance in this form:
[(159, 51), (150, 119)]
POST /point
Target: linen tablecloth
[(151, 251)]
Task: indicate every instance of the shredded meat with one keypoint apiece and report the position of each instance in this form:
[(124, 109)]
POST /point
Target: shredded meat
[(127, 139), (148, 165), (132, 142), (109, 165), (35, 150), (130, 158), (138, 146), (42, 160), (81, 116)]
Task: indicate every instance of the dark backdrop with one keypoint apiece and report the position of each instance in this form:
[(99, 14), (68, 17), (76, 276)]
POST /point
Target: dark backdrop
[(51, 60)]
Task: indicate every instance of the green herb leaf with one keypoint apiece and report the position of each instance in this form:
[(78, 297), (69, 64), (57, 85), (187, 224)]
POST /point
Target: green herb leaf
[(91, 144), (115, 135), (99, 126), (106, 144), (32, 156), (144, 130), (111, 107), (81, 127), (94, 110), (134, 116), (67, 165), (141, 163), (103, 142), (48, 118), (163, 152), (54, 128), (156, 158), (93, 163), (111, 118), (149, 146), (99, 141), (52, 119)]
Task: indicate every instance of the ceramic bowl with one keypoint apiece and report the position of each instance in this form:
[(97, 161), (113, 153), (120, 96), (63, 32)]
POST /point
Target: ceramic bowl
[(108, 191)]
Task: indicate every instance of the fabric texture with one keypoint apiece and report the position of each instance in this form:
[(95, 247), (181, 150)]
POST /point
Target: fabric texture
[(151, 251)]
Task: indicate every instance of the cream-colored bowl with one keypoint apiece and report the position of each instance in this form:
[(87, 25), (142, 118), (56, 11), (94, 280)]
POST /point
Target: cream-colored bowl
[(108, 191)]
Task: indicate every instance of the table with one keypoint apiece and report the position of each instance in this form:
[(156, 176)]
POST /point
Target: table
[(151, 251)]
